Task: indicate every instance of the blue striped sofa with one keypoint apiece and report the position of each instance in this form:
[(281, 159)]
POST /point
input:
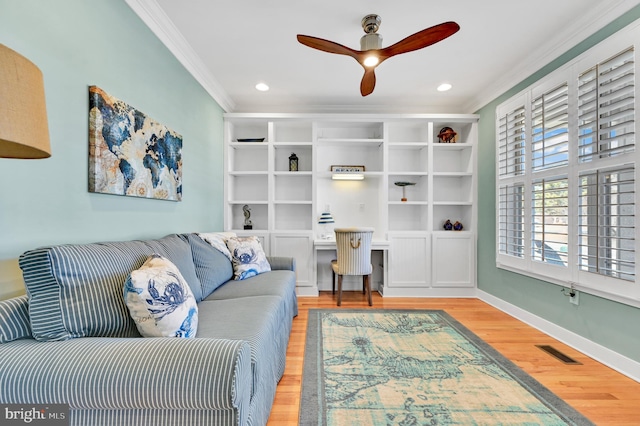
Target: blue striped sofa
[(71, 340)]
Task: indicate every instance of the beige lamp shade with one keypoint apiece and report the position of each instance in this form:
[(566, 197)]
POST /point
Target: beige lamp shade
[(24, 131)]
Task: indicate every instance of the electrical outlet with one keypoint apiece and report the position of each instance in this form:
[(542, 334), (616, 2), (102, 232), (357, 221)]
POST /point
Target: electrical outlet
[(575, 299)]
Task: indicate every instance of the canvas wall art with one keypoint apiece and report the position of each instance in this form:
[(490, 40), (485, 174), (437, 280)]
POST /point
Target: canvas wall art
[(130, 153)]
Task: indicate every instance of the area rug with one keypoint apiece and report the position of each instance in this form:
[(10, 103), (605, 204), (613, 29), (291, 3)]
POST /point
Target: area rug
[(415, 367)]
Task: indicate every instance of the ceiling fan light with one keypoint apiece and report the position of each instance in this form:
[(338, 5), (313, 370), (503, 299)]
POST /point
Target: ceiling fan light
[(263, 87), (371, 61), (444, 87)]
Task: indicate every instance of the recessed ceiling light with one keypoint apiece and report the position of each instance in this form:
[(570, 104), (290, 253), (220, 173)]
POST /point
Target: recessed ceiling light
[(262, 87), (444, 87)]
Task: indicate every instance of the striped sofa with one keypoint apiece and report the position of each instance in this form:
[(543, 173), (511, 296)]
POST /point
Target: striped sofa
[(71, 340)]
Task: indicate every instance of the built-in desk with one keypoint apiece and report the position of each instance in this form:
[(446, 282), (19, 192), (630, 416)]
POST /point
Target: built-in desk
[(324, 250)]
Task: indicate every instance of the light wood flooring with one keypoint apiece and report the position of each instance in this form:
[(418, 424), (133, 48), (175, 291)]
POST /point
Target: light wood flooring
[(603, 395)]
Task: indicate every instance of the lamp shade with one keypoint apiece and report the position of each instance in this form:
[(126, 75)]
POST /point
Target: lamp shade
[(24, 131)]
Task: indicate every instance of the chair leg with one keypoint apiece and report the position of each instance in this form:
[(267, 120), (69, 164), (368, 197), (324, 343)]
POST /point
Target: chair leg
[(339, 290), (364, 284), (333, 282), (367, 279)]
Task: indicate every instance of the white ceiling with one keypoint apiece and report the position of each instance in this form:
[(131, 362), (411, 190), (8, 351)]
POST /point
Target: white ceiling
[(230, 46)]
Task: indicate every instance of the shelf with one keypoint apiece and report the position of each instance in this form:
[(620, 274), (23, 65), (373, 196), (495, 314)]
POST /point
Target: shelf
[(408, 132), (350, 142), (406, 158), (292, 131)]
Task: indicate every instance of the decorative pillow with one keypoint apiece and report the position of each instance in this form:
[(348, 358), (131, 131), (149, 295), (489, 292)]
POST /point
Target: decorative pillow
[(218, 240), (160, 300), (248, 257)]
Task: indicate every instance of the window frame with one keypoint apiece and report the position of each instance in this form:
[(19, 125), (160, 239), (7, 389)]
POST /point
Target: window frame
[(619, 290)]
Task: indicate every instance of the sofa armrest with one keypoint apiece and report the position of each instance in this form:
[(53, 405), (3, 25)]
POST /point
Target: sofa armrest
[(282, 263), (128, 373)]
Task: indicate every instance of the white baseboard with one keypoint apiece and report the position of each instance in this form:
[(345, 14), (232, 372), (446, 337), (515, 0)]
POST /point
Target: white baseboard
[(606, 356)]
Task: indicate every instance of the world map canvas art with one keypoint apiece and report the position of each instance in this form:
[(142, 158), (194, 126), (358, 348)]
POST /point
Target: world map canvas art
[(130, 153)]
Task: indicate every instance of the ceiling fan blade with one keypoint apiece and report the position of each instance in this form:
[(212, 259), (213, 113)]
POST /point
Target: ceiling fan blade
[(327, 46), (421, 39), (368, 82)]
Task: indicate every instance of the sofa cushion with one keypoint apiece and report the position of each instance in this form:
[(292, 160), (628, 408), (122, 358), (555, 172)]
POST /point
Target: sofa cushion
[(14, 319), (160, 301), (75, 290), (213, 268), (247, 256)]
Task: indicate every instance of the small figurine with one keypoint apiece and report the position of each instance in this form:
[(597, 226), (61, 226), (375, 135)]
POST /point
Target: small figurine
[(403, 185), (447, 135), (247, 217), (448, 226), (457, 226)]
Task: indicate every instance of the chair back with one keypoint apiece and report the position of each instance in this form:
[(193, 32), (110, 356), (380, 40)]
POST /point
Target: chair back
[(354, 250)]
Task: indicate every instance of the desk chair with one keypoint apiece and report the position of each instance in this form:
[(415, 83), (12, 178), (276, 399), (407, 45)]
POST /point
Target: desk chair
[(353, 247)]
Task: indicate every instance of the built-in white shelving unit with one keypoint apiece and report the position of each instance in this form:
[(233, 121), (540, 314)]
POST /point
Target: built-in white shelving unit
[(423, 258)]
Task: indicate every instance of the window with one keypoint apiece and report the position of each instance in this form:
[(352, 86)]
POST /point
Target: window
[(511, 213), (566, 174)]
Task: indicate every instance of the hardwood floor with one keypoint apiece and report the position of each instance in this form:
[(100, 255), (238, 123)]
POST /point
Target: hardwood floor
[(603, 395)]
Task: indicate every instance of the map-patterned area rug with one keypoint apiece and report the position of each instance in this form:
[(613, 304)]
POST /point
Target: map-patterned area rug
[(415, 367)]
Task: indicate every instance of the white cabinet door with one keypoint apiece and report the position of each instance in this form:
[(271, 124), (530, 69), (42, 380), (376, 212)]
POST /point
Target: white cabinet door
[(300, 247), (409, 260), (454, 259)]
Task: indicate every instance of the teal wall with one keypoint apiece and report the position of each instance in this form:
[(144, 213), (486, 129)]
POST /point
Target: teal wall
[(78, 43), (613, 325)]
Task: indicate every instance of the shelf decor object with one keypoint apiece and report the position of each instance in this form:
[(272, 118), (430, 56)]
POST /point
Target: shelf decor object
[(293, 162), (247, 217), (325, 222), (347, 172), (130, 153), (404, 186), (24, 132), (457, 226), (448, 226), (251, 140), (447, 135)]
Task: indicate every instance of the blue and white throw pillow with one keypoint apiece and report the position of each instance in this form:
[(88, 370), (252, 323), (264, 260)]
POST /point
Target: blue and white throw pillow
[(248, 257), (218, 240), (160, 300)]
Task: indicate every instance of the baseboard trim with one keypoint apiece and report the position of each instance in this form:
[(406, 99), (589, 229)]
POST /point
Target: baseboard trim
[(606, 356)]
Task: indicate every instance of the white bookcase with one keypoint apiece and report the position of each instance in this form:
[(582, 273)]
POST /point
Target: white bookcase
[(423, 258)]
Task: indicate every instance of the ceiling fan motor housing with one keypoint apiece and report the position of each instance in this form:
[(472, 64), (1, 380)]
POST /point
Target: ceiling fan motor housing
[(371, 41)]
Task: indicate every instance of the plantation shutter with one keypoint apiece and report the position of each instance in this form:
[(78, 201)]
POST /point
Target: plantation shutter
[(550, 129), (607, 223), (511, 220), (511, 143), (606, 116), (550, 221)]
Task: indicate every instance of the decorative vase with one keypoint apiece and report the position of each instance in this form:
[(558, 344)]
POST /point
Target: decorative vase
[(448, 226), (457, 226)]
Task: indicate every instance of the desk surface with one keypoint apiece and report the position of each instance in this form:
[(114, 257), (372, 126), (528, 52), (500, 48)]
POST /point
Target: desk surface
[(331, 244)]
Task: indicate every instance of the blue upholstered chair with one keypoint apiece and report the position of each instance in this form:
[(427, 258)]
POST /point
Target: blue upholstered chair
[(354, 257)]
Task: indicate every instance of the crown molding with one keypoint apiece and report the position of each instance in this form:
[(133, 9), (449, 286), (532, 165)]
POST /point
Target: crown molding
[(578, 31), (159, 23)]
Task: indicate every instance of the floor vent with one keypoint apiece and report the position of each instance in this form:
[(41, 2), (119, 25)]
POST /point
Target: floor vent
[(558, 355)]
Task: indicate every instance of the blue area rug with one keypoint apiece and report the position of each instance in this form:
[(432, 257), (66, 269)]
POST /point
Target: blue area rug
[(415, 367)]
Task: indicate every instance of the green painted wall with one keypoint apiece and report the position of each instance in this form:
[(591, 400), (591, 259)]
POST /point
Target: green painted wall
[(608, 323), (78, 43)]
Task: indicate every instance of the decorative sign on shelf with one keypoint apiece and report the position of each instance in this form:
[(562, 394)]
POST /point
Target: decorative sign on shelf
[(347, 169)]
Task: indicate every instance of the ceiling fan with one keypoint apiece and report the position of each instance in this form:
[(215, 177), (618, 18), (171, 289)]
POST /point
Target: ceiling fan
[(372, 53)]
